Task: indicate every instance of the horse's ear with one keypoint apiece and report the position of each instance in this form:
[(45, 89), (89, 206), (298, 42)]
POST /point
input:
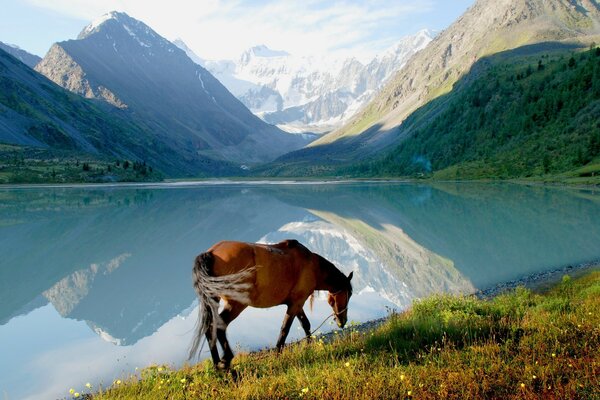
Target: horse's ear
[(350, 275)]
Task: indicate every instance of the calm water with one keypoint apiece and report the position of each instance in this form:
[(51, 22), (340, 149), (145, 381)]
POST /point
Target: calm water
[(95, 282)]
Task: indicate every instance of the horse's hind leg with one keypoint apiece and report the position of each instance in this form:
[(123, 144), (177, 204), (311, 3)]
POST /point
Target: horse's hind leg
[(211, 340), (230, 311), (305, 323)]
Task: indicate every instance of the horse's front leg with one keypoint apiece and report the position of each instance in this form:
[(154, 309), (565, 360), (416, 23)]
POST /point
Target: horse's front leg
[(305, 324), (285, 327)]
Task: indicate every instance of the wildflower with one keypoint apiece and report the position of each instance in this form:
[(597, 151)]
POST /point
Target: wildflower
[(304, 390), (522, 385), (159, 369), (570, 365), (88, 385), (118, 381), (409, 393), (402, 377), (160, 387), (553, 354), (71, 391), (347, 364), (182, 380), (534, 377), (76, 394)]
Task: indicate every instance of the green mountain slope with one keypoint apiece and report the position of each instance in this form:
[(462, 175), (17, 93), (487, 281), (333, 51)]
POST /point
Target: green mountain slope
[(512, 116), (40, 121), (487, 28)]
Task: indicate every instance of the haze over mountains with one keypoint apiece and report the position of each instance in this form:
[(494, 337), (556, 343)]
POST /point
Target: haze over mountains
[(308, 94)]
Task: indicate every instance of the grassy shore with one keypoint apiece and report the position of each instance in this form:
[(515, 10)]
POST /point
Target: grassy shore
[(520, 345)]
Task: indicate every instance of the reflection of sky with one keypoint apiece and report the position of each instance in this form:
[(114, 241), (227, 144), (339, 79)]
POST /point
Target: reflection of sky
[(402, 241), (50, 354)]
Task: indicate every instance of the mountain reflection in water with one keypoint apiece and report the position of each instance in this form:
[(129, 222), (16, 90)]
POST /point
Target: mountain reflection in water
[(120, 258)]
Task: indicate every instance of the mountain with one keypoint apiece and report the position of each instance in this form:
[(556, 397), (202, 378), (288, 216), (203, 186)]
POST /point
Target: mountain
[(123, 62), (36, 112), (486, 28), (308, 94), (26, 58), (513, 116)]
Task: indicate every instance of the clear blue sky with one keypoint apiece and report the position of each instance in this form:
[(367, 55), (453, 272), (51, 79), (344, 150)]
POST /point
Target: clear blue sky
[(222, 29)]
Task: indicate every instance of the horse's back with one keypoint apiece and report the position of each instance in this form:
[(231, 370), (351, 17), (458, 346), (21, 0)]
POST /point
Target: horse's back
[(280, 268)]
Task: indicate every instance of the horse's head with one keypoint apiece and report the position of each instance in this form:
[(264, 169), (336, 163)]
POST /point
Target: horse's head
[(338, 300)]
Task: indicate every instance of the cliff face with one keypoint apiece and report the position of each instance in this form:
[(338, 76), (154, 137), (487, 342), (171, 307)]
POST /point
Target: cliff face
[(60, 67), (488, 27)]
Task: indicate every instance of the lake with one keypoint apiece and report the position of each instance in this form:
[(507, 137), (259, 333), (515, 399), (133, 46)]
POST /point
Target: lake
[(95, 281)]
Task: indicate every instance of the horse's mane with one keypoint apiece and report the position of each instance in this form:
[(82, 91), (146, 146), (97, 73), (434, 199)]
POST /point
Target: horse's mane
[(333, 276)]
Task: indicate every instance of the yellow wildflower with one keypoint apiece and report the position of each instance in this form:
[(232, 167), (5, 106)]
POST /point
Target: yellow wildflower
[(347, 364), (553, 354), (522, 385), (534, 377), (409, 393), (159, 369), (71, 391), (305, 390), (88, 385), (182, 380), (118, 381), (76, 394), (402, 377)]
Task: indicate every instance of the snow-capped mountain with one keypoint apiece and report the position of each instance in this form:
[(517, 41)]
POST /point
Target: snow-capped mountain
[(125, 63), (301, 94)]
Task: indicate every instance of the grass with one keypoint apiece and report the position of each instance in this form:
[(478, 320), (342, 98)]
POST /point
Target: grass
[(520, 345)]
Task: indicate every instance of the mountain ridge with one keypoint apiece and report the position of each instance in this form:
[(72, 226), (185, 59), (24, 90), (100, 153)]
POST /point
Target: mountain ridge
[(122, 61), (308, 94)]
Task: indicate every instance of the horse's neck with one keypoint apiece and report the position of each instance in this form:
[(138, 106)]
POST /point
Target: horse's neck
[(329, 279)]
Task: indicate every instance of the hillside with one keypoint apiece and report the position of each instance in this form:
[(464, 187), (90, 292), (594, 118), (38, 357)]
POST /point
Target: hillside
[(39, 120), (487, 28), (512, 116), (123, 62), (26, 58)]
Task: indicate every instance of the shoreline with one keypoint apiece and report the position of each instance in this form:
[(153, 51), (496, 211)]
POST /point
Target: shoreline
[(539, 281)]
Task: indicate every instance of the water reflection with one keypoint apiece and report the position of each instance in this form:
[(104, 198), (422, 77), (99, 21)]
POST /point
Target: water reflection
[(111, 266)]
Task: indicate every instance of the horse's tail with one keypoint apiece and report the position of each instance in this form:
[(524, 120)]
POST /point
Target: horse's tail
[(209, 289)]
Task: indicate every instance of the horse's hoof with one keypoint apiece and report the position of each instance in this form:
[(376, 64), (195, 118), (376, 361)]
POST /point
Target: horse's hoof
[(223, 365)]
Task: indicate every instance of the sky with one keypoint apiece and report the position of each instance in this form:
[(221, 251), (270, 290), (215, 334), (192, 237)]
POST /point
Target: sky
[(222, 29)]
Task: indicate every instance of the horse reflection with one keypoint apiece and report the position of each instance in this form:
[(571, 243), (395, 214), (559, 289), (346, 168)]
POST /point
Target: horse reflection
[(260, 275)]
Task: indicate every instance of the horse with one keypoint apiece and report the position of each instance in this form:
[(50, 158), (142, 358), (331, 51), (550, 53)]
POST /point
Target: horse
[(262, 276)]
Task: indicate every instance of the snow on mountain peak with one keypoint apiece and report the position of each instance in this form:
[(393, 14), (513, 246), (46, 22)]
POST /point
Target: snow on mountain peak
[(261, 51)]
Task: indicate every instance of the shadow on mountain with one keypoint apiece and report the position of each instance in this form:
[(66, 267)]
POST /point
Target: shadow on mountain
[(375, 142)]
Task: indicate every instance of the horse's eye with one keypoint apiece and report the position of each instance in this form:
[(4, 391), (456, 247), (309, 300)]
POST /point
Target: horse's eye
[(331, 301)]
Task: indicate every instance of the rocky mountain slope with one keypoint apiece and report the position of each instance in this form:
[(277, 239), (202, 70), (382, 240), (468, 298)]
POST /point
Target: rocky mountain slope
[(308, 94), (26, 58), (488, 27), (123, 62)]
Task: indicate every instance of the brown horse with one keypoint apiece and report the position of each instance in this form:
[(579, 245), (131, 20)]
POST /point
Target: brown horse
[(260, 275)]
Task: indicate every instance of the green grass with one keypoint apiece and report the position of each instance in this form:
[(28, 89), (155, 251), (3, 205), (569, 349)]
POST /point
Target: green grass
[(520, 345)]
